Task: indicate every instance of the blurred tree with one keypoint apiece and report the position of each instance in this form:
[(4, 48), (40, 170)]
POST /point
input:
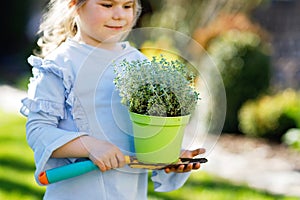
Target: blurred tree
[(240, 50), (14, 41), (187, 15), (208, 20), (281, 18), (224, 23), (13, 24), (19, 24), (270, 116), (244, 63)]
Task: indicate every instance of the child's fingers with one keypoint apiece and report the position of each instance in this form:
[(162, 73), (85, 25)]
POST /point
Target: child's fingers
[(183, 168), (121, 160), (101, 165), (114, 163), (198, 151), (188, 168), (192, 153), (196, 166)]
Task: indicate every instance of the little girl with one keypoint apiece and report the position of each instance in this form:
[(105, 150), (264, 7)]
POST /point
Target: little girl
[(72, 107)]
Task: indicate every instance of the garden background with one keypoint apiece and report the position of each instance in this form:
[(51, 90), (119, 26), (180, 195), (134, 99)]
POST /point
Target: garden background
[(255, 45)]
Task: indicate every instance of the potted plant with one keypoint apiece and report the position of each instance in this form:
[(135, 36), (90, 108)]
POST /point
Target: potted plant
[(160, 96)]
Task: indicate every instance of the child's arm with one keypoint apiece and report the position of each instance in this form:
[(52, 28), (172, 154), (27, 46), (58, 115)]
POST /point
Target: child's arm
[(45, 108), (104, 154)]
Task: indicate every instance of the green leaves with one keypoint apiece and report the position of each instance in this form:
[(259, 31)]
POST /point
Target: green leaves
[(157, 87)]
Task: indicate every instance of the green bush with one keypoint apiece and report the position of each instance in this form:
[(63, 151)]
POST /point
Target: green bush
[(270, 116), (245, 68), (292, 138)]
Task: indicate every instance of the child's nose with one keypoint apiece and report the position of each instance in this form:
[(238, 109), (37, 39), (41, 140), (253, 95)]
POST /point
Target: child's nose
[(118, 13)]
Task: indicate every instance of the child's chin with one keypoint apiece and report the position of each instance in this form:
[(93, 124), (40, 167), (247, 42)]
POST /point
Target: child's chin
[(111, 40), (115, 38)]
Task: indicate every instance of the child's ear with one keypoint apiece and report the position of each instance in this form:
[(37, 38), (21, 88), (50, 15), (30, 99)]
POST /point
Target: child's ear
[(72, 3)]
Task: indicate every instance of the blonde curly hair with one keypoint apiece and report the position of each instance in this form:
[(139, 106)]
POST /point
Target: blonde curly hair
[(58, 23)]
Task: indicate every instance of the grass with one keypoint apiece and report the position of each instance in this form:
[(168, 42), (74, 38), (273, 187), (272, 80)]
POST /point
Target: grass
[(17, 168), (209, 187), (16, 161)]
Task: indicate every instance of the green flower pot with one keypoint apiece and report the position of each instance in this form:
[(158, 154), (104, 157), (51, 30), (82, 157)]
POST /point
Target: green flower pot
[(158, 139)]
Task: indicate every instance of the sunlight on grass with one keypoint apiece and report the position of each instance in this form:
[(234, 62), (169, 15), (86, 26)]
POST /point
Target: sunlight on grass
[(16, 161), (204, 186), (17, 169)]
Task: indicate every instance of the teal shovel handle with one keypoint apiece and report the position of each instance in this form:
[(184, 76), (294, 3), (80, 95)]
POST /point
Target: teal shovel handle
[(66, 172)]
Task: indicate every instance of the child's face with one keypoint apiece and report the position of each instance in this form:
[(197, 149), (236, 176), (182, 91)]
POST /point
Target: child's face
[(99, 20)]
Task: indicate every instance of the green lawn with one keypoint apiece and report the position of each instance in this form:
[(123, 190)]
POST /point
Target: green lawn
[(17, 168), (16, 161)]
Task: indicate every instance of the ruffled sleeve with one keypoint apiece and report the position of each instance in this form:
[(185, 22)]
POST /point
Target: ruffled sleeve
[(46, 109), (46, 90), (52, 108)]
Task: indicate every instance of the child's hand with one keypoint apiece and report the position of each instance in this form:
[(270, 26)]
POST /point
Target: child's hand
[(103, 154), (189, 167)]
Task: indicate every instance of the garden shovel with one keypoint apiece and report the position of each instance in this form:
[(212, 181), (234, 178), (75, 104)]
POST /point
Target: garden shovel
[(79, 168)]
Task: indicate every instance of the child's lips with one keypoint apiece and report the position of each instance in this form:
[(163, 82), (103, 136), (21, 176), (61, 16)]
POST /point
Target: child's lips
[(114, 27)]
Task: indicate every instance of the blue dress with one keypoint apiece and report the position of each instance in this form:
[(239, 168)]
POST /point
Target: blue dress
[(72, 94)]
